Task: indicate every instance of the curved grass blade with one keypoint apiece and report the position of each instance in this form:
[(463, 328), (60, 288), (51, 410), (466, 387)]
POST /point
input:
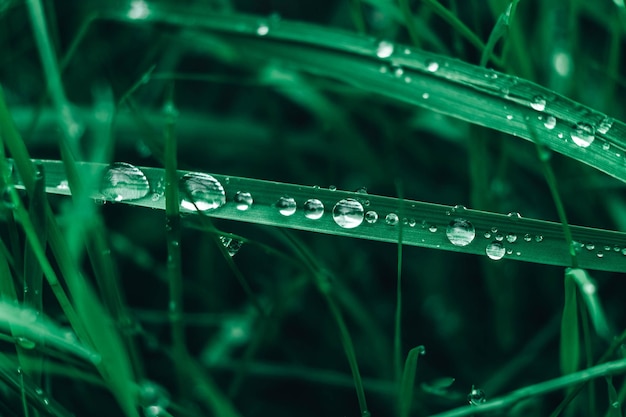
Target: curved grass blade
[(461, 90), (408, 380), (570, 338), (427, 225)]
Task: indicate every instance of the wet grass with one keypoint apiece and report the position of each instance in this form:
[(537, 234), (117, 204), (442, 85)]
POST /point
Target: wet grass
[(155, 308)]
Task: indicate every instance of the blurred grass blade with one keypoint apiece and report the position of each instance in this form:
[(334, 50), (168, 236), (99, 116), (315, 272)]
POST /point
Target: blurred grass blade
[(408, 380), (499, 31), (570, 339), (589, 293), (615, 407)]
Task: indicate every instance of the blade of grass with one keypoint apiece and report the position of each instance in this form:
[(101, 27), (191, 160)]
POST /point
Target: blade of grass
[(397, 337), (535, 240), (570, 339), (407, 385)]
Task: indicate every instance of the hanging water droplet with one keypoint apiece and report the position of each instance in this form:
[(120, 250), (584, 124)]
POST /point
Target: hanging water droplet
[(202, 191), (348, 213), (460, 232), (583, 134), (313, 209), (391, 219), (550, 122), (124, 182), (384, 49), (495, 250), (511, 237), (432, 66), (476, 396), (604, 125), (262, 29), (459, 209), (286, 206), (371, 217), (538, 103), (243, 200), (232, 245)]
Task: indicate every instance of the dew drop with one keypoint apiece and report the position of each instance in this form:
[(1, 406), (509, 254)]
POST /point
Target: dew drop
[(243, 200), (202, 191), (509, 117), (538, 238), (362, 190), (425, 96), (124, 182), (25, 343), (371, 217), (514, 215), (600, 254), (432, 228), (286, 206), (313, 209), (604, 125), (606, 146), (458, 209), (391, 219), (262, 29), (432, 66), (232, 245), (590, 246), (460, 232), (332, 188), (583, 134), (499, 237), (412, 222), (495, 251), (538, 103), (527, 237), (384, 49), (476, 396), (550, 122), (348, 213), (511, 237), (398, 72), (487, 235)]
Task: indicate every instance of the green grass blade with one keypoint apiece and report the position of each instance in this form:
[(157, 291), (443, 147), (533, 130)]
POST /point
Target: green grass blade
[(589, 294), (570, 339), (408, 380)]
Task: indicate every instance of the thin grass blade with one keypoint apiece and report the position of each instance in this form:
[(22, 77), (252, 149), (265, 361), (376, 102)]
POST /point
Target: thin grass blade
[(570, 338)]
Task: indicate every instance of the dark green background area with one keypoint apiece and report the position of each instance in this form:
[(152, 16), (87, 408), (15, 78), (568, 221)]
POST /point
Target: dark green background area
[(494, 325)]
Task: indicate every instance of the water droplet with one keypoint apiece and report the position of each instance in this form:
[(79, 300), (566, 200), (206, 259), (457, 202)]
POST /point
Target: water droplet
[(384, 49), (362, 190), (604, 125), (332, 188), (509, 117), (232, 245), (527, 237), (25, 343), (122, 181), (398, 71), (583, 134), (499, 237), (432, 66), (589, 288), (495, 251), (202, 191), (391, 219), (286, 206), (600, 254), (624, 251), (348, 213), (538, 238), (432, 228), (152, 398), (459, 209), (243, 200), (407, 79), (487, 235), (511, 237), (371, 217), (590, 246), (560, 135), (514, 215), (538, 103), (412, 222), (425, 96), (476, 396), (606, 146), (262, 29), (550, 122), (460, 232), (313, 209), (139, 10)]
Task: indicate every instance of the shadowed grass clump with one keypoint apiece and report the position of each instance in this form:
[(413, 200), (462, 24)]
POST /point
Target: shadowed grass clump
[(243, 208)]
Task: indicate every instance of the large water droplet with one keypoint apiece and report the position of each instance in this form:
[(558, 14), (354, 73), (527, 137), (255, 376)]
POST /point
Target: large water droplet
[(202, 189), (432, 66), (476, 396), (583, 134), (243, 200), (124, 182), (384, 49), (550, 122), (495, 250), (313, 209), (391, 219), (348, 213), (538, 103), (460, 232), (371, 217), (286, 206)]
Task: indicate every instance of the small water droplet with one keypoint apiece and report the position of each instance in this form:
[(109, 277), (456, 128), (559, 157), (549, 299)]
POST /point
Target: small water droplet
[(509, 117), (412, 222), (332, 188), (499, 237), (527, 237), (124, 182), (286, 205), (550, 122), (460, 232), (391, 219), (514, 215), (476, 396), (511, 237), (538, 103), (583, 134), (262, 29), (432, 66), (398, 71), (243, 200), (25, 343), (432, 228), (600, 254), (371, 217), (313, 209), (590, 246), (232, 245), (348, 213), (384, 49), (606, 146), (495, 250), (604, 125), (202, 189), (538, 238), (560, 135), (362, 190), (425, 96)]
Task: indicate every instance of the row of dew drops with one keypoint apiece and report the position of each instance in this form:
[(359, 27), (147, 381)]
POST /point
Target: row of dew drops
[(202, 192)]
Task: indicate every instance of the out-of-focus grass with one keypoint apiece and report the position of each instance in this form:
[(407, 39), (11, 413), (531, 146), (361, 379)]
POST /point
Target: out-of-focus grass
[(304, 104)]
